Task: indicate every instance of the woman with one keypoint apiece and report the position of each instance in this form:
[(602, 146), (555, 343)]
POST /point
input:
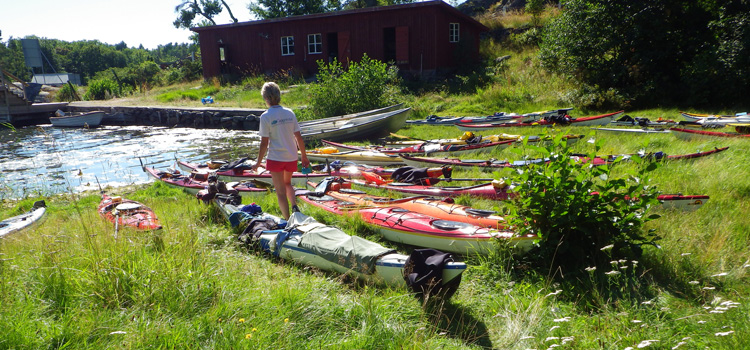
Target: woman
[(280, 136)]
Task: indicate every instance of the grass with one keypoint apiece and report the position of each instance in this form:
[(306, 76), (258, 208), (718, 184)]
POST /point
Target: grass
[(68, 283)]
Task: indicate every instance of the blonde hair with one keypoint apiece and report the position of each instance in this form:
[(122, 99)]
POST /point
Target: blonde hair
[(271, 93)]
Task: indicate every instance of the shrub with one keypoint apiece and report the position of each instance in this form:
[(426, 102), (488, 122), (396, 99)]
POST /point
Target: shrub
[(584, 216), (101, 90), (363, 86), (66, 93)]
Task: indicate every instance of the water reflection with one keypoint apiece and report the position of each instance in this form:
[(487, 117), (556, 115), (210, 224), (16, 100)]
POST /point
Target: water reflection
[(47, 160)]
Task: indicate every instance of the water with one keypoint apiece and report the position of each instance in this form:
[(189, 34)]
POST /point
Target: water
[(45, 160)]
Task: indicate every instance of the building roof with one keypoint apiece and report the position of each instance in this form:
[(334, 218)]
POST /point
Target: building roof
[(345, 13)]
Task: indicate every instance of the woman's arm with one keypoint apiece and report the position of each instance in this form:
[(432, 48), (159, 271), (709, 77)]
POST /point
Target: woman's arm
[(301, 147), (261, 153)]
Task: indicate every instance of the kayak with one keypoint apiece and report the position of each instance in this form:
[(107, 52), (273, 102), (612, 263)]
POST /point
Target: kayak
[(493, 163), (125, 212), (492, 190), (498, 116), (682, 202), (603, 119), (647, 130), (426, 147), (627, 120), (698, 116), (196, 181), (422, 230), (243, 173), (347, 170), (439, 208), (570, 139), (688, 134), (308, 242), (23, 221), (374, 158)]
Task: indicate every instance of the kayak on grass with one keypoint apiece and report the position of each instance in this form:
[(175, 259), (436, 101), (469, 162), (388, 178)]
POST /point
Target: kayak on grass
[(194, 182), (582, 159), (560, 120), (125, 212), (305, 241), (426, 147), (23, 221)]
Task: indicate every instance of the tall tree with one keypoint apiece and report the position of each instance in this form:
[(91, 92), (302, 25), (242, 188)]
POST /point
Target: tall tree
[(208, 9), (265, 9)]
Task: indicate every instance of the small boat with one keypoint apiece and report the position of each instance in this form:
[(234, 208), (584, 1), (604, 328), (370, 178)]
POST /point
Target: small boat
[(688, 134), (194, 182), (89, 119), (498, 190), (23, 221), (468, 137), (440, 208), (583, 159), (497, 117), (417, 229), (125, 212), (647, 130), (698, 116), (373, 158), (308, 242), (337, 168), (682, 202), (602, 119), (643, 122), (363, 127), (426, 147)]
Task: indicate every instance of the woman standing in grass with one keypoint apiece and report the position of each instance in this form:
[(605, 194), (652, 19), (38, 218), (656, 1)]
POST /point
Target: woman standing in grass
[(280, 136)]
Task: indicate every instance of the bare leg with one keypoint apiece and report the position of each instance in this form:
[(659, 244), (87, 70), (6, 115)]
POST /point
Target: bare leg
[(281, 192), (292, 198)]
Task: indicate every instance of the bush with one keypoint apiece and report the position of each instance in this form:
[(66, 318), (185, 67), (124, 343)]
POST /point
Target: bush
[(584, 216), (363, 86), (67, 93), (101, 90)]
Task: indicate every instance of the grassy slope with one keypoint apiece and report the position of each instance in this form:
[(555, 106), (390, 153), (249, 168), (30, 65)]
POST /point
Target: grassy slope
[(68, 282)]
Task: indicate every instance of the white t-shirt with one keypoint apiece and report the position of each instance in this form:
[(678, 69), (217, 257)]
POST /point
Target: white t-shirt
[(279, 124)]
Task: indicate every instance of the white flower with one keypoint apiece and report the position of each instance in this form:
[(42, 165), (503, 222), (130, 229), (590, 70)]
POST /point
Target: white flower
[(701, 322), (553, 328), (591, 268), (564, 319), (607, 247), (566, 340), (723, 334), (118, 332), (591, 141), (647, 302), (554, 293), (709, 288), (720, 274), (693, 282), (686, 254), (646, 343), (526, 337), (551, 338), (678, 345), (613, 272), (636, 321)]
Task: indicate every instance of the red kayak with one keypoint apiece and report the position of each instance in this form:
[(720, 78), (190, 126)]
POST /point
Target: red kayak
[(492, 190), (690, 133), (603, 119), (347, 170), (194, 182), (408, 227), (125, 212), (426, 147), (493, 163)]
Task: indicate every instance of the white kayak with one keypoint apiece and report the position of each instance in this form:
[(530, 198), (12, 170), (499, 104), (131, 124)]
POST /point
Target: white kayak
[(25, 220)]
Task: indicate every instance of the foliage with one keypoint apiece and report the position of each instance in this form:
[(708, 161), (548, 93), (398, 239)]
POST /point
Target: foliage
[(535, 9), (665, 50), (188, 9), (583, 215), (192, 94), (66, 93), (361, 86), (265, 9), (101, 90)]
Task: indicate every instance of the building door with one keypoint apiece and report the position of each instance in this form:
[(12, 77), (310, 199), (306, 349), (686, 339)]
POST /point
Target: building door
[(389, 44), (345, 49), (332, 40), (402, 45)]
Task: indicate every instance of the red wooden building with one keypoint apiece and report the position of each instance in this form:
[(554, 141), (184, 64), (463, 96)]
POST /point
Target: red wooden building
[(421, 37)]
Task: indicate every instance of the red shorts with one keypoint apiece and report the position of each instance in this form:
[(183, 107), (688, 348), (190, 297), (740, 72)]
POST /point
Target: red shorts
[(276, 166)]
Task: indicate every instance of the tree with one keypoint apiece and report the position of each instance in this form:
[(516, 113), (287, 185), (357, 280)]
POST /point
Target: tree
[(265, 9), (208, 9)]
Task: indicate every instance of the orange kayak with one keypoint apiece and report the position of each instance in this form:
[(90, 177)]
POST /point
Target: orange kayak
[(125, 212), (431, 206)]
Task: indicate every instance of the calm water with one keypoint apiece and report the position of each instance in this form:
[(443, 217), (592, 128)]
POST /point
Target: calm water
[(48, 160)]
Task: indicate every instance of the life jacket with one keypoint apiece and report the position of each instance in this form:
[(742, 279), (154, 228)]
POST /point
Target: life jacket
[(423, 270)]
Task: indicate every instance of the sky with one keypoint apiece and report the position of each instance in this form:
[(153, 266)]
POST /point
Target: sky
[(136, 22)]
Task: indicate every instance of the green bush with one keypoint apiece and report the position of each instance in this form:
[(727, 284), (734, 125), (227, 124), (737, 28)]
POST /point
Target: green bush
[(585, 216), (364, 85), (66, 93), (101, 90)]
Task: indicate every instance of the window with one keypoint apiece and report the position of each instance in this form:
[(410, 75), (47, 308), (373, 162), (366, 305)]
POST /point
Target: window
[(222, 54), (453, 32), (287, 45), (314, 43)]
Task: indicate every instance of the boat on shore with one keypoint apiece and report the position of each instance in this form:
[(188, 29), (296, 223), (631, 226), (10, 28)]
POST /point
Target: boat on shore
[(305, 241), (89, 119), (689, 134), (565, 120), (125, 212), (23, 221), (194, 182), (426, 147), (359, 127)]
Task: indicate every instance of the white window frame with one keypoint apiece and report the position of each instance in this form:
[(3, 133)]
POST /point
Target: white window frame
[(454, 32), (287, 46), (314, 43)]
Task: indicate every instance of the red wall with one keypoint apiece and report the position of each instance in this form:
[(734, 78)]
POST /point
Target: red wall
[(422, 28)]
